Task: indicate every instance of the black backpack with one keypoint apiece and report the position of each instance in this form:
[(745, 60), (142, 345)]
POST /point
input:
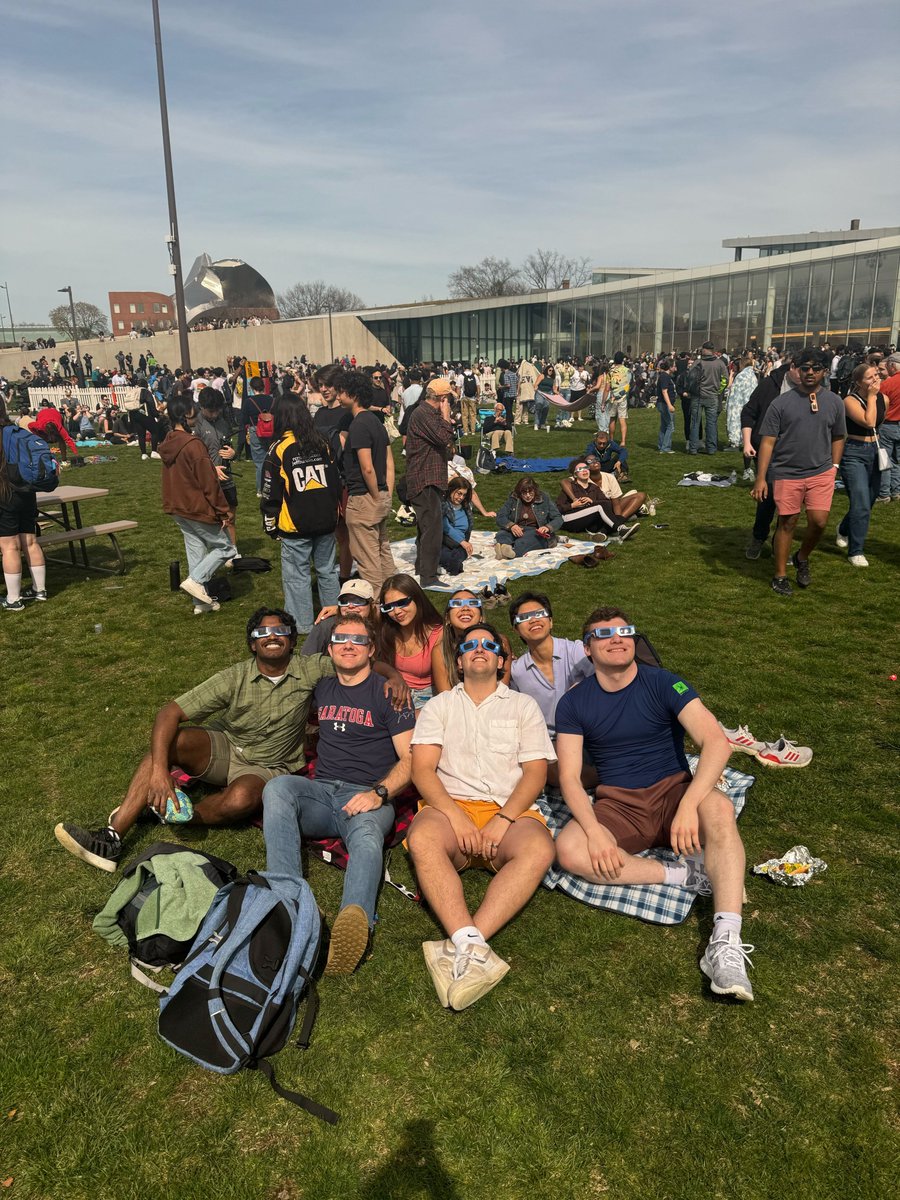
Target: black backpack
[(470, 386)]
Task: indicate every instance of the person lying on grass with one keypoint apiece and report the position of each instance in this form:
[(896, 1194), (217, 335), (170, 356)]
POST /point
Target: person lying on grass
[(479, 762), (631, 720), (257, 712)]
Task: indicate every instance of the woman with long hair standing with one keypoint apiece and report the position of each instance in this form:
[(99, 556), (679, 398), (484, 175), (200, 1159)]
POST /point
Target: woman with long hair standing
[(864, 408), (409, 631), (301, 492), (18, 535)]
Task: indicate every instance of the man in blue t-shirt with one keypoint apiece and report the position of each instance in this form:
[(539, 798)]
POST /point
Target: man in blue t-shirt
[(631, 721), (363, 763)]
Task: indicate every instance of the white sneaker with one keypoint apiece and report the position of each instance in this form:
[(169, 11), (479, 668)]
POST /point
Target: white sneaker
[(784, 754), (748, 474), (153, 454), (840, 541), (439, 957), (205, 608), (145, 457), (197, 590), (476, 969), (742, 739), (858, 560), (723, 965)]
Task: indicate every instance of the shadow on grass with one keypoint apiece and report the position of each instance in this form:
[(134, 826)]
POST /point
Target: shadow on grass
[(414, 1169)]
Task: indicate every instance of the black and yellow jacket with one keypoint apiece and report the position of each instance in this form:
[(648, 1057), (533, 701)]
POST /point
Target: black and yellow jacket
[(301, 490)]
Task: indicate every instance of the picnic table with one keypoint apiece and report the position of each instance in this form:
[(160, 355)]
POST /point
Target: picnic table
[(54, 506)]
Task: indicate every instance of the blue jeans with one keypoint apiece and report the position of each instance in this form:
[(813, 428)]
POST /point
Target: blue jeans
[(295, 807), (208, 547), (541, 410), (889, 437), (296, 578), (258, 451), (710, 409), (666, 425), (530, 540), (859, 471)]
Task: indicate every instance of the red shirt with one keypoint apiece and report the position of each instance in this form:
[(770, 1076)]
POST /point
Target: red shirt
[(49, 418), (890, 389)]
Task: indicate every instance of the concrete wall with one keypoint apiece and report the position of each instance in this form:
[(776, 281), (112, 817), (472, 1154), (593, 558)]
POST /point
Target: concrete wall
[(277, 342)]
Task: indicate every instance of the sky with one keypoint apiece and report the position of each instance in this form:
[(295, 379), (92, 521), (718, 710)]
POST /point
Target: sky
[(380, 147)]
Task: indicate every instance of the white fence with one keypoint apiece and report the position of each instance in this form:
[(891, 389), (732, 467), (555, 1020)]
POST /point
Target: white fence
[(90, 398)]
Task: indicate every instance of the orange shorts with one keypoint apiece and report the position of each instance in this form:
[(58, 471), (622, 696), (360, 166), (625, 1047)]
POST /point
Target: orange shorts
[(815, 492), (481, 811)]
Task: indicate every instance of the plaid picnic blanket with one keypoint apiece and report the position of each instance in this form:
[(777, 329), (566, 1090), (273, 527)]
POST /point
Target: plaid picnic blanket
[(654, 902)]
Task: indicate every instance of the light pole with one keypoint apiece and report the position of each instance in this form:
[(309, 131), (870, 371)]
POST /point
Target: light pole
[(74, 326), (5, 287), (172, 239)]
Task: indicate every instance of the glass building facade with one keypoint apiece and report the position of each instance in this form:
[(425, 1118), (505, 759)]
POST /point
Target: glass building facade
[(839, 294)]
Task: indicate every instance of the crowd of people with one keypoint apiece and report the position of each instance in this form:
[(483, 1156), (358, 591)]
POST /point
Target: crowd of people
[(413, 702)]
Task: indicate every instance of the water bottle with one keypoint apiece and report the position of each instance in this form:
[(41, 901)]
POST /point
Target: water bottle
[(98, 629), (174, 576)]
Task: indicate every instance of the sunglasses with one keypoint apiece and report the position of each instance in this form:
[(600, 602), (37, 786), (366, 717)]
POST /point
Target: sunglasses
[(271, 631), (582, 467), (352, 602), (807, 367), (613, 631), (356, 639), (486, 643), (387, 608), (537, 615), (465, 602)]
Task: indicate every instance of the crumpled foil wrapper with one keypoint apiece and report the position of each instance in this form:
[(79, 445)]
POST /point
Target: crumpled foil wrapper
[(793, 869)]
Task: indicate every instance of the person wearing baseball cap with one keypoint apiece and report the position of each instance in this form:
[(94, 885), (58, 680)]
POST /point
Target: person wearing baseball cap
[(357, 599)]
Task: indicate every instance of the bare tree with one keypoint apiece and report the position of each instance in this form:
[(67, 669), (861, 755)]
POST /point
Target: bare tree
[(490, 277), (547, 270), (312, 299), (89, 319)]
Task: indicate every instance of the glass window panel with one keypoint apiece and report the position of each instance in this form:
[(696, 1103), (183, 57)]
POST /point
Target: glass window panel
[(863, 291), (820, 283), (647, 320), (885, 293), (756, 307), (599, 341), (798, 302), (629, 322), (841, 280), (779, 280), (700, 311), (718, 316), (668, 299), (682, 322)]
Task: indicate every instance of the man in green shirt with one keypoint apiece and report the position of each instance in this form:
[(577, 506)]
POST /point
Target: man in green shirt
[(235, 731)]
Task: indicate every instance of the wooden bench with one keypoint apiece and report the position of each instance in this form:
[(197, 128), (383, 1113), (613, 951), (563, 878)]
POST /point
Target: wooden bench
[(69, 536)]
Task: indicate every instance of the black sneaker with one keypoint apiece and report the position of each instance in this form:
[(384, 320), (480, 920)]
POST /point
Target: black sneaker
[(627, 531), (31, 593), (781, 586), (100, 847), (804, 579)]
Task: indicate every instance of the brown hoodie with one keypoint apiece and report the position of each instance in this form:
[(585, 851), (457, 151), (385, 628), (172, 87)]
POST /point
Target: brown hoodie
[(190, 486)]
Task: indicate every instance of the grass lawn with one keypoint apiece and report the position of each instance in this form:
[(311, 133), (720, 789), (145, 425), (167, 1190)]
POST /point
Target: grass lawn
[(602, 1065)]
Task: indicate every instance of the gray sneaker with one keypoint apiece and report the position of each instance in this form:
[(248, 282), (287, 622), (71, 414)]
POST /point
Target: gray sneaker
[(723, 963), (754, 549), (697, 880), (476, 969)]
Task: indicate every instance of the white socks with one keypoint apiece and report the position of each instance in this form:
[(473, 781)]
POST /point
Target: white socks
[(724, 923), (676, 873), (13, 586), (39, 578), (467, 936)]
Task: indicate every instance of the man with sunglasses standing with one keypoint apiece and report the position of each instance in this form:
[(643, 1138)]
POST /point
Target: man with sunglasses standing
[(363, 762), (802, 440), (631, 720), (479, 761)]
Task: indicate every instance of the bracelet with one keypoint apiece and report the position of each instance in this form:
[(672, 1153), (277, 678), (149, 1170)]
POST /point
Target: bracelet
[(503, 817)]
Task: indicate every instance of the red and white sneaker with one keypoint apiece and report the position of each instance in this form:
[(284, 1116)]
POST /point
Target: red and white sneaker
[(785, 754), (742, 739)]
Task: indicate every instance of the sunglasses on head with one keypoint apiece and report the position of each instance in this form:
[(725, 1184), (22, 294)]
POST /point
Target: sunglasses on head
[(352, 601), (611, 631), (271, 631), (356, 639), (486, 643), (391, 605), (465, 602), (537, 615)]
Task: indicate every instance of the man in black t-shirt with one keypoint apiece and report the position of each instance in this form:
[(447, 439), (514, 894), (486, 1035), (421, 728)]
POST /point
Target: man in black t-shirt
[(369, 471), (363, 763)]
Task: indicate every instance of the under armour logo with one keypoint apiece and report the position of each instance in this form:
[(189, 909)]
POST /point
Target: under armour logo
[(341, 725)]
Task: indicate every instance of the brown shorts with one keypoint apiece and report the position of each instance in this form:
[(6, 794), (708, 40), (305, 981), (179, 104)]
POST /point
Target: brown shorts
[(226, 763), (641, 818)]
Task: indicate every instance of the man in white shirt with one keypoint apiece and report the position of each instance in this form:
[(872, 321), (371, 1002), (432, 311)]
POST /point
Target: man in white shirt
[(479, 762)]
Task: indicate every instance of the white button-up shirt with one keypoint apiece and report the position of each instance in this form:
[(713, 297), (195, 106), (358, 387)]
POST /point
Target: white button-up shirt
[(483, 745)]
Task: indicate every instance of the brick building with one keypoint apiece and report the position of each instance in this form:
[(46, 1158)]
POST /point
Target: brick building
[(140, 310)]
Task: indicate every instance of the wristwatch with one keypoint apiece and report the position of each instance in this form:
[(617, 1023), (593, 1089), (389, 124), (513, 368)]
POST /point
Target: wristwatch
[(381, 792)]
